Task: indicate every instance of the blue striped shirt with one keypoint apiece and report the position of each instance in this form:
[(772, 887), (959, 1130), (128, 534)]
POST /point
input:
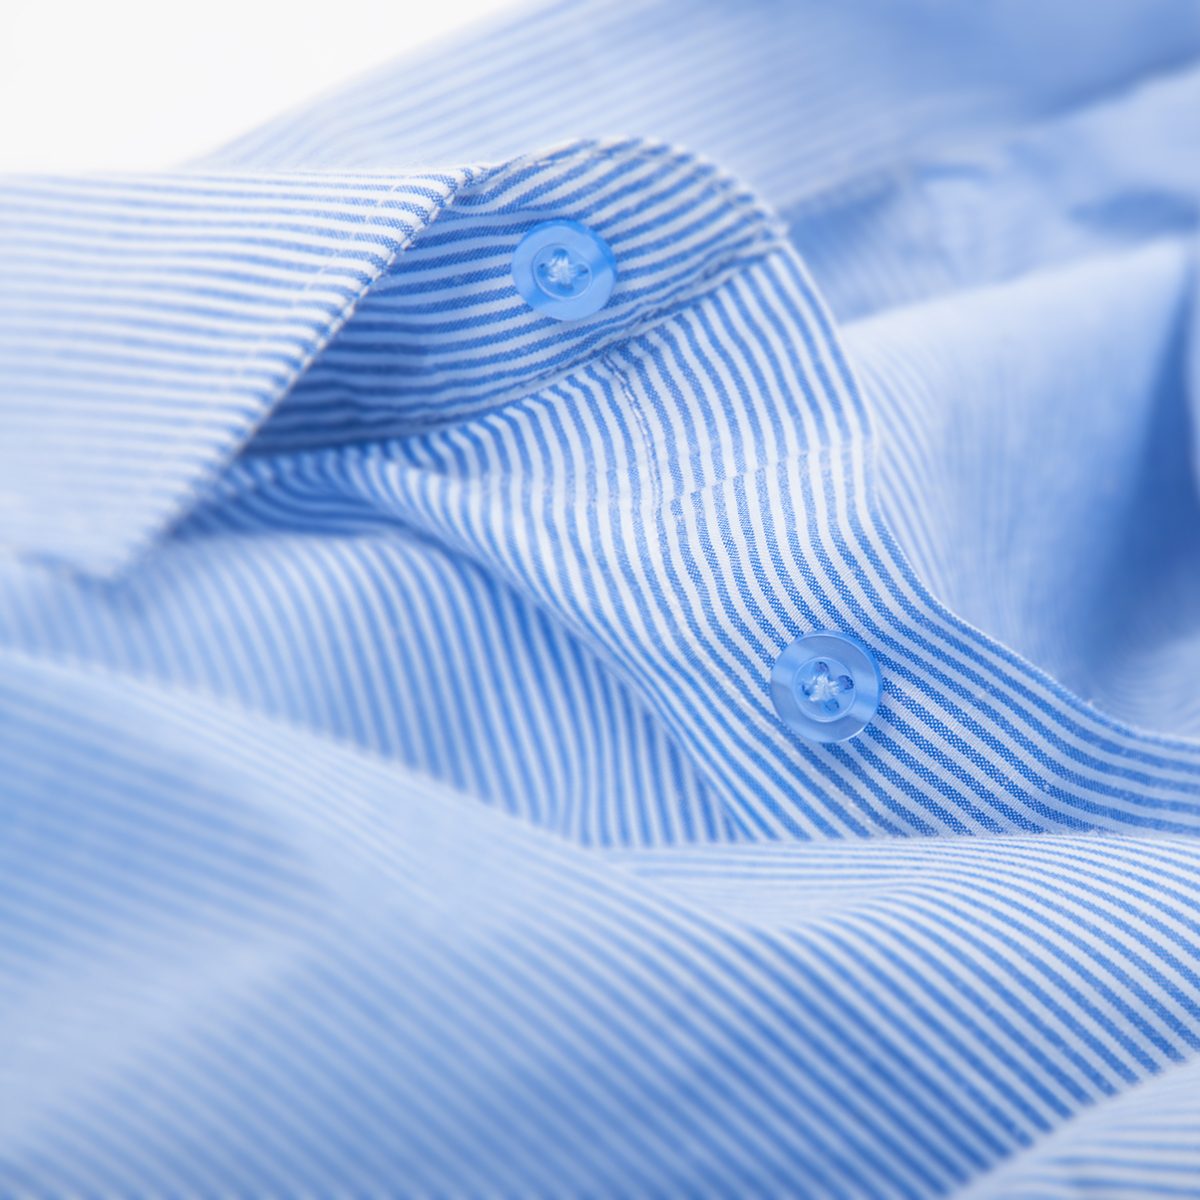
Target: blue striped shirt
[(393, 797)]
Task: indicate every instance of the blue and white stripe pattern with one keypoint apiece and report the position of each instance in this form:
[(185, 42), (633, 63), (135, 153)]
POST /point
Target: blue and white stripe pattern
[(393, 800)]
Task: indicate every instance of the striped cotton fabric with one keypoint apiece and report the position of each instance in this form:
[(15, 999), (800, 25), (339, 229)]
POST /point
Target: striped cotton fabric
[(392, 799)]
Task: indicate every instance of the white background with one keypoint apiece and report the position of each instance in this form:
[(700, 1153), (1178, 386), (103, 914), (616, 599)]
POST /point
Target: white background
[(146, 84)]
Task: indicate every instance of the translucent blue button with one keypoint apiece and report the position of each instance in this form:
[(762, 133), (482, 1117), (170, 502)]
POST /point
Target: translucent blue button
[(826, 686), (564, 270)]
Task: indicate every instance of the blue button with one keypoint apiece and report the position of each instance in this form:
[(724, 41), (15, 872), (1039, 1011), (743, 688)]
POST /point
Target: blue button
[(564, 270), (826, 686)]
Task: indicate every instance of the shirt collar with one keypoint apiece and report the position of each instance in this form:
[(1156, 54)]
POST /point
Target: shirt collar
[(155, 324), (151, 323)]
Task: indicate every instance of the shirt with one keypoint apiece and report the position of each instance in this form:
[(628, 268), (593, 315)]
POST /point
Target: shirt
[(400, 795)]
